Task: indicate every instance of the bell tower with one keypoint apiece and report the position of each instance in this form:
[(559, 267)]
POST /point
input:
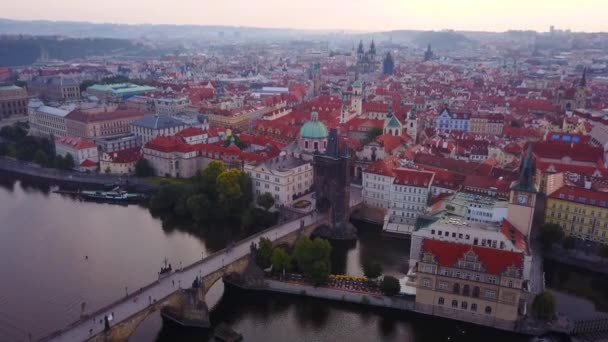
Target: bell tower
[(522, 198)]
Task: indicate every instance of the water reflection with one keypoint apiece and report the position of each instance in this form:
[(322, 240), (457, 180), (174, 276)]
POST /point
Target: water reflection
[(44, 238), (580, 293), (276, 317)]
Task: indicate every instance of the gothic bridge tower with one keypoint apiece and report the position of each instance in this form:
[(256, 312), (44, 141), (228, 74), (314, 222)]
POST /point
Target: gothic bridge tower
[(332, 189)]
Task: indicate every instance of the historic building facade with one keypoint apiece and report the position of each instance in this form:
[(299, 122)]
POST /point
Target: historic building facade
[(470, 283), (13, 101)]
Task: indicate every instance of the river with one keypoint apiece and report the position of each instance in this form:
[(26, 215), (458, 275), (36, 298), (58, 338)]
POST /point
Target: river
[(57, 253)]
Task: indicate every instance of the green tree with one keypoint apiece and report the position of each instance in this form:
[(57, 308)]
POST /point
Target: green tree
[(265, 200), (281, 261), (3, 149), (41, 158), (308, 253), (319, 273), (68, 162), (58, 161), (604, 251), (550, 233), (213, 169), (264, 253), (390, 286), (210, 173), (543, 305), (12, 151), (164, 200), (374, 132), (143, 168), (228, 189), (199, 206), (569, 242), (247, 219), (372, 270)]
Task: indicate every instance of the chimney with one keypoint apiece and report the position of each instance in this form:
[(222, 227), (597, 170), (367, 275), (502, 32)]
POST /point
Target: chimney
[(587, 183)]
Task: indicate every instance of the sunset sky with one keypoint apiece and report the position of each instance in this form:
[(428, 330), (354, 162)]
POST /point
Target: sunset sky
[(360, 15)]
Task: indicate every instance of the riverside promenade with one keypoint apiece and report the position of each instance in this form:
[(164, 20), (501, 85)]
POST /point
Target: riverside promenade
[(33, 170), (133, 303)]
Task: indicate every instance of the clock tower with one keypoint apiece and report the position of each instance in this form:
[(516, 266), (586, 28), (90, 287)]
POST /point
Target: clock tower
[(522, 198)]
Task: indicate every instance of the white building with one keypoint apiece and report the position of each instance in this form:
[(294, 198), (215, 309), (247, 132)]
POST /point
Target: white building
[(408, 198), (285, 177), (120, 162), (82, 150), (456, 229), (377, 181), (476, 208), (168, 104), (151, 126), (47, 121)]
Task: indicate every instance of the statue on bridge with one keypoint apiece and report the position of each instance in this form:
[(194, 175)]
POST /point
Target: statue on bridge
[(332, 188)]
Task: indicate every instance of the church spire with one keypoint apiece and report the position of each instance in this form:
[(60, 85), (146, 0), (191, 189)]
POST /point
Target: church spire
[(360, 48), (372, 48), (526, 174), (583, 82)]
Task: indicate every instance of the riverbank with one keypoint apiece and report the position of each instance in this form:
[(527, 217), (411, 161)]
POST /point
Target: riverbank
[(395, 303), (583, 259), (34, 171)]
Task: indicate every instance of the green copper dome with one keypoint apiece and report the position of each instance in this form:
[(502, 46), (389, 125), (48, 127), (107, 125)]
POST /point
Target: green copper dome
[(313, 129)]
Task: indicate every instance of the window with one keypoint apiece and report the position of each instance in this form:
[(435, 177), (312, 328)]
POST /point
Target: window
[(510, 284), (464, 305), (466, 290), (426, 282), (473, 307), (454, 303), (488, 310), (432, 231), (476, 292), (491, 294), (443, 285), (441, 301), (456, 288)]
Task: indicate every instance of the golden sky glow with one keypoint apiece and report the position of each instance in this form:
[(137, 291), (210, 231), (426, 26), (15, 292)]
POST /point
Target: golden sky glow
[(364, 15)]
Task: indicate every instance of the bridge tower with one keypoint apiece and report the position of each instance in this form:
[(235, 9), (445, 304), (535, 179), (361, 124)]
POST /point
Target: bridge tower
[(332, 189)]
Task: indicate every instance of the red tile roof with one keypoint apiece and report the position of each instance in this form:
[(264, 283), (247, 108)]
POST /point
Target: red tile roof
[(496, 261), (409, 177), (83, 116), (384, 167), (88, 163), (190, 132), (75, 142), (581, 195), (517, 238), (558, 150), (128, 155)]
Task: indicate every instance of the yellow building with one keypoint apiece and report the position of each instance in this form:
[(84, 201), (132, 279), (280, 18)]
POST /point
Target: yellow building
[(478, 124), (237, 120), (581, 212)]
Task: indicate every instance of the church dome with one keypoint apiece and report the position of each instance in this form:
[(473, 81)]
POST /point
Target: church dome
[(313, 129)]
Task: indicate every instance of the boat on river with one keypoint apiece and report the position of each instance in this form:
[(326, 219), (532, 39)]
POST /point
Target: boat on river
[(111, 196)]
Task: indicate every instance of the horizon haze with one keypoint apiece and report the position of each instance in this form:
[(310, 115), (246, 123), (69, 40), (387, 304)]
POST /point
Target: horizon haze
[(359, 15)]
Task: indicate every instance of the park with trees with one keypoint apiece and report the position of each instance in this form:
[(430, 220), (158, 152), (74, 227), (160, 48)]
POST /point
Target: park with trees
[(310, 257), (214, 194), (15, 143)]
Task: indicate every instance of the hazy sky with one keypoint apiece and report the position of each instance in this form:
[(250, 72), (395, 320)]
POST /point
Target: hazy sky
[(366, 15)]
